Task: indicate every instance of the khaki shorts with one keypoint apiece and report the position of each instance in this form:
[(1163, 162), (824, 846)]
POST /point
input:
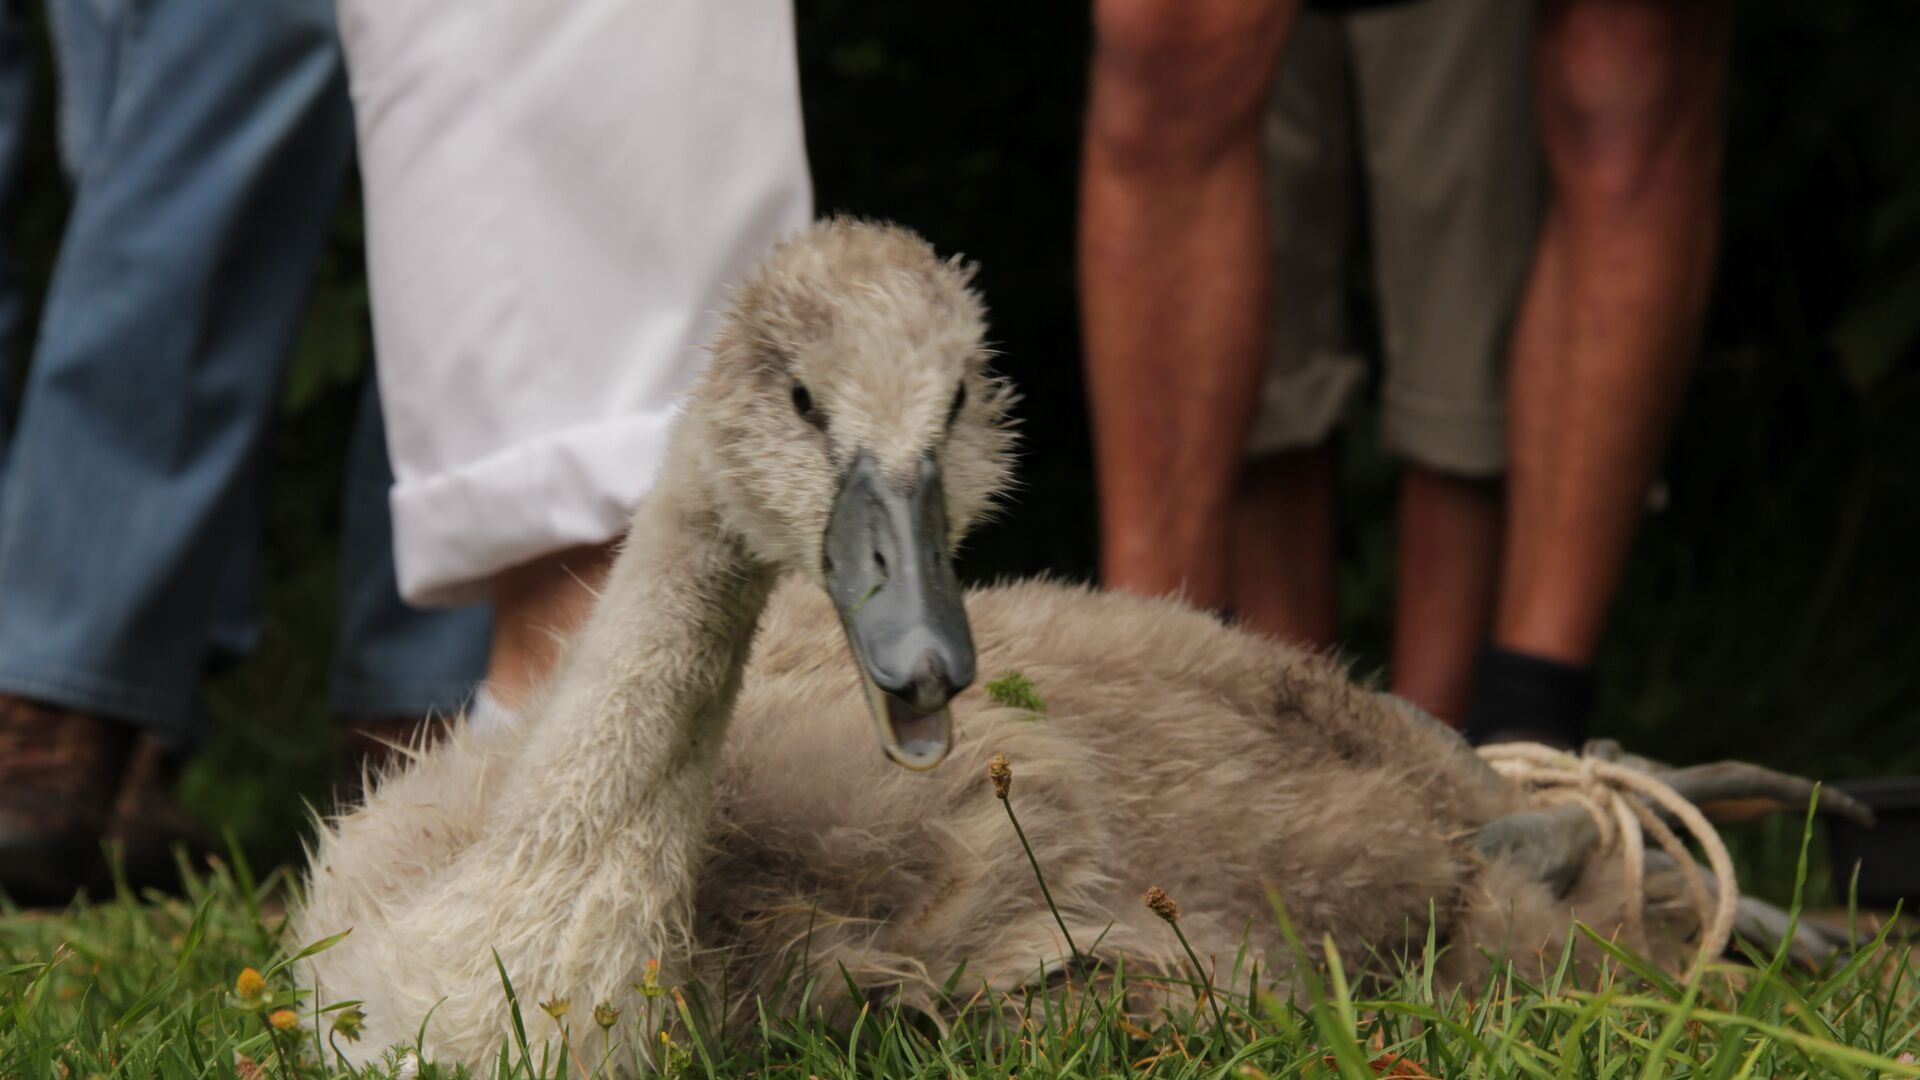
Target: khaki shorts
[(1425, 110)]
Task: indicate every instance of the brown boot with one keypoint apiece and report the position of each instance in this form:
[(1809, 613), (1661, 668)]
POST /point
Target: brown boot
[(369, 747), (148, 823), (59, 771)]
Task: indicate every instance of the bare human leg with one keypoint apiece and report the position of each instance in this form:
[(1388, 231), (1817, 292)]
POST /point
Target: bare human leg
[(1629, 106), (1449, 562), (537, 606), (1630, 116), (1283, 572), (1173, 276)]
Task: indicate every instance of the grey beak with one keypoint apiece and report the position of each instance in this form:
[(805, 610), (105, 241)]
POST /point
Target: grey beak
[(891, 578)]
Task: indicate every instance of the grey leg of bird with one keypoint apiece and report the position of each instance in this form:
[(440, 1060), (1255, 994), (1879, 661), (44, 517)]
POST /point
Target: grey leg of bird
[(1611, 750), (1755, 921), (1735, 791), (1551, 844), (1764, 925)]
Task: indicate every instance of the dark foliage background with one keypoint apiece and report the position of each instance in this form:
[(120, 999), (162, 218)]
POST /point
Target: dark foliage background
[(1770, 611)]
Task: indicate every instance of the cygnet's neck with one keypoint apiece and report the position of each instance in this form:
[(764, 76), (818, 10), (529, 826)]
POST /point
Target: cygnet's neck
[(631, 720)]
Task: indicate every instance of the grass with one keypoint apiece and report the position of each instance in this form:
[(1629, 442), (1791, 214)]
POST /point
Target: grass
[(160, 986)]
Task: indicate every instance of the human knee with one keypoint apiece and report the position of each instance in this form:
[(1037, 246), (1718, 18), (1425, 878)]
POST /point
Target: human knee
[(1176, 78), (1629, 98)]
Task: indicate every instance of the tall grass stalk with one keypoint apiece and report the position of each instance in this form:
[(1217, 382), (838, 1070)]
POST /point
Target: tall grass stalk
[(1000, 773)]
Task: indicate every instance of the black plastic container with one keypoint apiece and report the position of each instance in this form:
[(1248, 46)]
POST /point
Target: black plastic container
[(1888, 853)]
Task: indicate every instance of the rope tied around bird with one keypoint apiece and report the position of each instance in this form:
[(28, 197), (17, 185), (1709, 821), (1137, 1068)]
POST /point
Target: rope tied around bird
[(1621, 801)]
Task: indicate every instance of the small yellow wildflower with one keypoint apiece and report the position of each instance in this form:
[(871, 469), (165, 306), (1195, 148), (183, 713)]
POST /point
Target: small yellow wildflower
[(250, 987), (556, 1008), (674, 1057), (605, 1015), (649, 986), (284, 1020)]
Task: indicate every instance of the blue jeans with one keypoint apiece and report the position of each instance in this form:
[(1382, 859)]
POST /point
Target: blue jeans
[(207, 141)]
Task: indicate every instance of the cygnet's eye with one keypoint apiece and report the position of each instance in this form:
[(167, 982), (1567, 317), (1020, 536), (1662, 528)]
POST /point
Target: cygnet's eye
[(959, 402), (803, 404)]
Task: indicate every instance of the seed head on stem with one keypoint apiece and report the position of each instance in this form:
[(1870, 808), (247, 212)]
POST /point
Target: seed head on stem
[(347, 1022), (1001, 773), (1163, 906)]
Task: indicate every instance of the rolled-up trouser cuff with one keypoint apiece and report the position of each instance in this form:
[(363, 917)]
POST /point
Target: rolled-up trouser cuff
[(1468, 438), (455, 530), (1301, 406)]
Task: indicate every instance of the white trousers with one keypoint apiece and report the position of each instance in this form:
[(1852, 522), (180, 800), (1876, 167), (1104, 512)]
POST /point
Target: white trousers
[(557, 195)]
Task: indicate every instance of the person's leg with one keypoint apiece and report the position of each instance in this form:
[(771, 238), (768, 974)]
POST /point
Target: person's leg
[(394, 666), (1283, 572), (1173, 277), (1449, 558), (16, 118), (539, 605), (202, 197), (534, 333), (208, 142), (1453, 176), (59, 769), (1629, 98)]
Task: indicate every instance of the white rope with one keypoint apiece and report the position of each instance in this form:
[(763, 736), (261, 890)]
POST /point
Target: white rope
[(1617, 796)]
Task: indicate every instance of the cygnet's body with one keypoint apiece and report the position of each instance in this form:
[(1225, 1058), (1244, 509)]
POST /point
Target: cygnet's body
[(692, 792)]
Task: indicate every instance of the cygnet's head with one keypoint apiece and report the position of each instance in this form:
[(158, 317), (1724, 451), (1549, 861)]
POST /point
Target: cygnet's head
[(854, 434)]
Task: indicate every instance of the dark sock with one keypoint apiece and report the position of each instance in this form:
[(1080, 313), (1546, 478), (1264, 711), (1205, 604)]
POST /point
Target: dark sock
[(1523, 697)]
